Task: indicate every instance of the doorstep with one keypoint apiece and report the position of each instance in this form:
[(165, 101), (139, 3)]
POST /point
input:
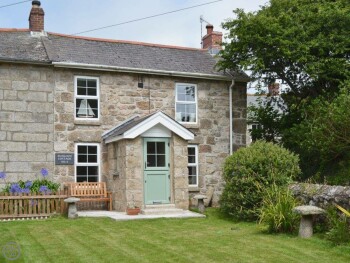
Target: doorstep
[(122, 216)]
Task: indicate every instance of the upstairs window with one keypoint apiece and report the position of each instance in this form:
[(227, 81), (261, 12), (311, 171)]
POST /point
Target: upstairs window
[(186, 103), (192, 165), (87, 162), (86, 98)]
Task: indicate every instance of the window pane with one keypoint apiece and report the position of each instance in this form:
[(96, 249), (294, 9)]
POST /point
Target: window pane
[(191, 151), (92, 149), (191, 159), (92, 158), (92, 83), (93, 179), (82, 158), (82, 149), (151, 147), (86, 108), (81, 170), (81, 91), (151, 161), (160, 147), (82, 178), (186, 112), (92, 92), (92, 171), (192, 170), (192, 180), (186, 93), (160, 160), (81, 82)]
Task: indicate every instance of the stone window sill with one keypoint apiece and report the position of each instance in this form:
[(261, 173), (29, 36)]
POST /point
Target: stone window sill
[(193, 189), (88, 122)]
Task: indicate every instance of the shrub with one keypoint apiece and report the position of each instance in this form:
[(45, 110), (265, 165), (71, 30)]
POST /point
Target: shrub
[(249, 171), (276, 210), (339, 225)]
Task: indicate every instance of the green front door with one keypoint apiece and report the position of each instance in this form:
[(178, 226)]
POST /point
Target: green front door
[(156, 173)]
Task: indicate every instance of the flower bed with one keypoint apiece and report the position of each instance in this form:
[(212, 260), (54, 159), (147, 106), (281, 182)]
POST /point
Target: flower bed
[(38, 198)]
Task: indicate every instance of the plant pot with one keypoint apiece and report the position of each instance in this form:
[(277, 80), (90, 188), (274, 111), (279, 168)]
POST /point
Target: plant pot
[(133, 211)]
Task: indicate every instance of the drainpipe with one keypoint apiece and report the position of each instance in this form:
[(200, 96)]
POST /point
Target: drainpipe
[(231, 117)]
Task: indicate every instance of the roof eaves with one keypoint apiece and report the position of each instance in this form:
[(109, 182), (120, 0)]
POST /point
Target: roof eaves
[(24, 61), (141, 70)]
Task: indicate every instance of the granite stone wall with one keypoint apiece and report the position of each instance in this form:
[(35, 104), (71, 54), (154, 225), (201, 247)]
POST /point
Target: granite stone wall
[(322, 195), (26, 121)]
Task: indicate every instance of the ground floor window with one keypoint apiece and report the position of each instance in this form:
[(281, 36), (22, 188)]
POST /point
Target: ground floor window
[(192, 165), (87, 162)]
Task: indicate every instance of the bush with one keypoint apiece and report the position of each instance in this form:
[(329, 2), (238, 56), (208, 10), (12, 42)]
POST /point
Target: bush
[(276, 210), (249, 171), (339, 225)]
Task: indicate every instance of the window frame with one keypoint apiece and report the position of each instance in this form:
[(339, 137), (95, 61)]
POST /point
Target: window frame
[(97, 97), (196, 164), (76, 163), (186, 102)]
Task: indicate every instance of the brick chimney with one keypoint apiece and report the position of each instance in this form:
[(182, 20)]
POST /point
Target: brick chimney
[(36, 17), (212, 40)]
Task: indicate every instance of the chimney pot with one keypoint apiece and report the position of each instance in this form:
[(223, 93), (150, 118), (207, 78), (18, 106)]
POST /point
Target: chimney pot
[(36, 3), (36, 17), (212, 40), (210, 29)]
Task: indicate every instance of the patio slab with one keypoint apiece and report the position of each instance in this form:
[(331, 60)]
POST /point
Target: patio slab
[(122, 216)]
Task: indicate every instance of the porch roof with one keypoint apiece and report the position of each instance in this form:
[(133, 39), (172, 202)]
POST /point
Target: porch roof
[(135, 126)]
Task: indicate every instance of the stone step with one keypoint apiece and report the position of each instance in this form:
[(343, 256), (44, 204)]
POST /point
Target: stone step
[(162, 209)]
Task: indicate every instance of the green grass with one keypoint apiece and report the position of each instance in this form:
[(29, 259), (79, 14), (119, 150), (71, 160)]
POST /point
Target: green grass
[(213, 239)]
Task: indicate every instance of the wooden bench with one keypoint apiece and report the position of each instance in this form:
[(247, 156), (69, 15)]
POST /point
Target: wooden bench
[(91, 192)]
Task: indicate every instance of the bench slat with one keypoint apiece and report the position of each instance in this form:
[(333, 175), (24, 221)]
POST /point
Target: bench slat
[(91, 192)]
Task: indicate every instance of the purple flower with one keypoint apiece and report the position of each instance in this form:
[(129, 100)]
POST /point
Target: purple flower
[(28, 184), (15, 188), (26, 190), (2, 175), (44, 172), (44, 189)]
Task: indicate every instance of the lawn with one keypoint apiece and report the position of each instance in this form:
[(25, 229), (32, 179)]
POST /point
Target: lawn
[(212, 239)]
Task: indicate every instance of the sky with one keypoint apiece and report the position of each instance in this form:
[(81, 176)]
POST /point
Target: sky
[(180, 28)]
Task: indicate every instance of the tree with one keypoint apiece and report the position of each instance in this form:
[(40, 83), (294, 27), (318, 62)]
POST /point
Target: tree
[(305, 45), (325, 132)]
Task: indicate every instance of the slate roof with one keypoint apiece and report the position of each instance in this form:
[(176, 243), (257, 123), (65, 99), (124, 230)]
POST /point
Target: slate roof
[(125, 126), (19, 45)]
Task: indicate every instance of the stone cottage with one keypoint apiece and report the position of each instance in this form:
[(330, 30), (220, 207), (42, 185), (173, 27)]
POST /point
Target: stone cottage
[(154, 122)]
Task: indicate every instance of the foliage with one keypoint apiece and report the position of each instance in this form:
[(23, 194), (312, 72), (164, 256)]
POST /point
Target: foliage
[(339, 232), (304, 45), (267, 114), (324, 131), (276, 210), (38, 186), (249, 171)]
